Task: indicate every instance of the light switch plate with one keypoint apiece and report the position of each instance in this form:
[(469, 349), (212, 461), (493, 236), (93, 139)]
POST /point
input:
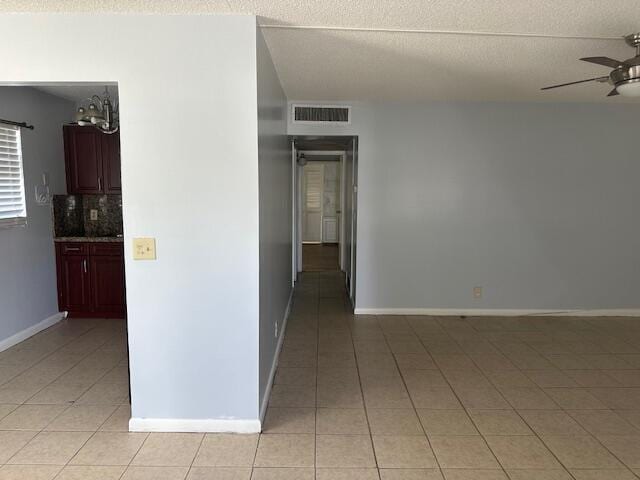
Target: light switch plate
[(144, 248)]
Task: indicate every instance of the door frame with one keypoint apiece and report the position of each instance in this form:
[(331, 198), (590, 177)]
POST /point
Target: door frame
[(354, 222), (297, 205)]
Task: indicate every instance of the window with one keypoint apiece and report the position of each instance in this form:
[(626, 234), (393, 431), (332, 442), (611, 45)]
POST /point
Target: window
[(13, 210)]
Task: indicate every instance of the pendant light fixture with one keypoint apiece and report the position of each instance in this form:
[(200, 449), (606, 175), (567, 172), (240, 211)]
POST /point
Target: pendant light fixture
[(99, 112)]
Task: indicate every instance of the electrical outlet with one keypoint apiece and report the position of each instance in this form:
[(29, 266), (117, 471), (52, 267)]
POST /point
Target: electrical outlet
[(477, 292), (93, 214)]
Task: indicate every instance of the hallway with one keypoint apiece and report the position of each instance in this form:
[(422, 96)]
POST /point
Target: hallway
[(320, 257)]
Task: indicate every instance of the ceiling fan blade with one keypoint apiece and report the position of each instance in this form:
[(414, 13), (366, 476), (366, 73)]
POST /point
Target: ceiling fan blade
[(605, 61), (613, 93), (596, 79)]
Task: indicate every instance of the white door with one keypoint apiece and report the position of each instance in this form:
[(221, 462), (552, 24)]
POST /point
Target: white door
[(312, 195)]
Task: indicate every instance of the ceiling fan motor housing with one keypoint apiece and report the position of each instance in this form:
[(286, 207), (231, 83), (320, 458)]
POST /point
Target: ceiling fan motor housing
[(626, 74), (629, 72)]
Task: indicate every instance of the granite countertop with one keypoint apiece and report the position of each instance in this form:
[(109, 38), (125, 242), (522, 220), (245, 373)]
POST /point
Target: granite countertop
[(89, 239)]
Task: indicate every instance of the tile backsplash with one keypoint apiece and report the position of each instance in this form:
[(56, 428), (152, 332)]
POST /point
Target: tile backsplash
[(72, 215)]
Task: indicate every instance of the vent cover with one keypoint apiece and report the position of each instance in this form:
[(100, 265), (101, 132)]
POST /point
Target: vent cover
[(321, 114)]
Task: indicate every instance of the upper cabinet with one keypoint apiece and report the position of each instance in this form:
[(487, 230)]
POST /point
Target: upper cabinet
[(111, 162), (92, 160)]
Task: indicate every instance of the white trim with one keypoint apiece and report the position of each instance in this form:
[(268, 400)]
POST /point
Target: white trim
[(343, 169), (274, 365), (31, 331), (297, 207), (499, 312), (294, 230), (196, 425)]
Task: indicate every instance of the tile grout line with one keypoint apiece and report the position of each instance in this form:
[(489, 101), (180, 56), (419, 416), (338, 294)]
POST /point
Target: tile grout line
[(515, 411), (404, 383), (561, 409), (315, 416), (53, 328), (74, 455), (196, 456), (62, 412), (135, 454), (464, 408), (68, 406), (364, 401)]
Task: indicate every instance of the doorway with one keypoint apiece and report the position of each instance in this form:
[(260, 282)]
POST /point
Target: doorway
[(321, 204), (324, 186), (64, 173)]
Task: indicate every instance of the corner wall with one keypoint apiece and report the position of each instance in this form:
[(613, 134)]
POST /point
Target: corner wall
[(187, 91), (28, 291), (275, 177)]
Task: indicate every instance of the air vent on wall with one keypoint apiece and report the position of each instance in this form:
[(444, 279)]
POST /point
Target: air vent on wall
[(321, 114)]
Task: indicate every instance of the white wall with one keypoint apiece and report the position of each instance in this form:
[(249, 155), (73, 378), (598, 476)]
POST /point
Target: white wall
[(275, 177), (536, 203), (28, 292), (187, 88)]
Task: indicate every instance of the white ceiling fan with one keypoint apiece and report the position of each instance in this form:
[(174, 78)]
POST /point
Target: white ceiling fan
[(625, 76)]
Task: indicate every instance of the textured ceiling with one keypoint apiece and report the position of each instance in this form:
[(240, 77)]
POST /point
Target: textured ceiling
[(339, 65), (456, 50)]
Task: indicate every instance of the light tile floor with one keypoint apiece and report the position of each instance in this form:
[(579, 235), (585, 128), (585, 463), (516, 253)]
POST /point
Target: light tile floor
[(355, 397)]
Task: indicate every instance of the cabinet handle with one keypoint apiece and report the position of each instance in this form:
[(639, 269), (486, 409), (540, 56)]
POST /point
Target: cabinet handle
[(84, 265), (73, 249), (100, 183)]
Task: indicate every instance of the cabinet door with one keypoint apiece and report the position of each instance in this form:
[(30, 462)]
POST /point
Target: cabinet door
[(74, 283), (83, 155), (107, 284), (111, 162)]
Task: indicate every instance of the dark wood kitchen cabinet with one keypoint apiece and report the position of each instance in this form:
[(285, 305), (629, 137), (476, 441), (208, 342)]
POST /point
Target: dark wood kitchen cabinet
[(111, 162), (74, 289), (92, 160), (91, 279)]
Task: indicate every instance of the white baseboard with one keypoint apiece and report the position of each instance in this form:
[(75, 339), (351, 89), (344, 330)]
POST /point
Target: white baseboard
[(499, 312), (195, 425), (31, 331), (274, 364)]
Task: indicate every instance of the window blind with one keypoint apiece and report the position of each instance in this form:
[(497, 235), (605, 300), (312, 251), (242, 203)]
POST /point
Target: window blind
[(314, 187), (12, 202)]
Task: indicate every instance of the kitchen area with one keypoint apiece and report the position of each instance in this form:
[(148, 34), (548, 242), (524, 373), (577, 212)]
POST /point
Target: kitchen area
[(63, 328), (87, 220)]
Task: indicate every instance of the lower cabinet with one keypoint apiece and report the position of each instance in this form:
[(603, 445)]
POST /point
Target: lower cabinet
[(91, 279)]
